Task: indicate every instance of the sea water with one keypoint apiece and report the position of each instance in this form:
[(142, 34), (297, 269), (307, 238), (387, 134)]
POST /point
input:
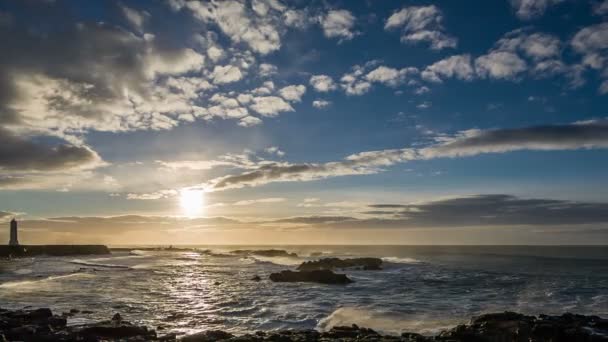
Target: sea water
[(421, 288)]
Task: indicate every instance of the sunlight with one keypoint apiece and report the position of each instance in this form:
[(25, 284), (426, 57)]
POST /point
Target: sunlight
[(191, 201)]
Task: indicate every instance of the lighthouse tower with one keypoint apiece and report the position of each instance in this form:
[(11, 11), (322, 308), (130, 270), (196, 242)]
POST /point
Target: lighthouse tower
[(13, 241)]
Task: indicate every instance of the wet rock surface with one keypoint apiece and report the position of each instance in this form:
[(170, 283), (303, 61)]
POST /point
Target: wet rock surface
[(337, 263), (316, 276), (42, 325)]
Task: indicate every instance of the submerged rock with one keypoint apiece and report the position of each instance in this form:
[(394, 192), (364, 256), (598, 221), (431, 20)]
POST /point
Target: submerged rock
[(316, 276), (336, 263)]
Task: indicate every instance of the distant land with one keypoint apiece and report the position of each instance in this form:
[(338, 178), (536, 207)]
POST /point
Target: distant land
[(54, 250)]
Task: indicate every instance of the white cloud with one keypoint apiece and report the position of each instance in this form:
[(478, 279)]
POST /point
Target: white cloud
[(226, 74), (241, 23), (458, 66), (322, 83), (293, 92), (530, 9), (135, 17), (500, 65), (601, 8), (249, 121), (274, 150), (321, 104), (267, 70), (421, 24), (390, 76), (260, 200), (270, 105), (338, 24)]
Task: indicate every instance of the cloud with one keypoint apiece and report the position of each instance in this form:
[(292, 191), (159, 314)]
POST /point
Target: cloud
[(390, 76), (260, 200), (338, 24), (249, 121), (530, 9), (17, 153), (500, 65), (267, 70), (537, 45), (48, 87), (600, 8), (274, 150), (136, 18), (421, 24), (458, 66), (591, 43), (270, 105), (226, 74), (580, 135), (293, 92), (320, 104), (240, 22), (322, 83), (153, 195), (494, 210)]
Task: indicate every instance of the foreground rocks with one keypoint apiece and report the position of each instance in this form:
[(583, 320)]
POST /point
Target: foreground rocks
[(337, 263), (316, 276), (42, 325)]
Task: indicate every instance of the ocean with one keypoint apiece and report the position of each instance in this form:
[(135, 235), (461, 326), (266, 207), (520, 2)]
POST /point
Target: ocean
[(420, 289)]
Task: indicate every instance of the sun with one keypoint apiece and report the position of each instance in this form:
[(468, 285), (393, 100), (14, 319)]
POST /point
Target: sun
[(191, 201)]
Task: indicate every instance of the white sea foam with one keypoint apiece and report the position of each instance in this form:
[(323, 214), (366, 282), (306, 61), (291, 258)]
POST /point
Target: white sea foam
[(285, 261), (398, 260), (96, 264), (37, 282), (384, 322)]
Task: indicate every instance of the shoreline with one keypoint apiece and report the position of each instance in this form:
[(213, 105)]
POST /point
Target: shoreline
[(42, 325)]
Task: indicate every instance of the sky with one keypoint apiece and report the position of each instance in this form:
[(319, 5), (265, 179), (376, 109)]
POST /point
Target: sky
[(304, 122)]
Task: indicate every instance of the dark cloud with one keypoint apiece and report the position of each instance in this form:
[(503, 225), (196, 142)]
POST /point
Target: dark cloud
[(17, 153), (590, 134), (496, 210)]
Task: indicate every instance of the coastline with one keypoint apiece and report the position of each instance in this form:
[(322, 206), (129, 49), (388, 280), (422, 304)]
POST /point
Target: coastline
[(52, 250), (42, 325)]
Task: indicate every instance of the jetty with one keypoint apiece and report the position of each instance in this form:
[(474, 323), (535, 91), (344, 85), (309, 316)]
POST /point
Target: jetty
[(16, 250)]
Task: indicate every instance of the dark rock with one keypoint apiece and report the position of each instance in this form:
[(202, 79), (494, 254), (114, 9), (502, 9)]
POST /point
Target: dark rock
[(317, 276), (114, 330), (208, 336), (265, 253), (256, 278), (337, 263)]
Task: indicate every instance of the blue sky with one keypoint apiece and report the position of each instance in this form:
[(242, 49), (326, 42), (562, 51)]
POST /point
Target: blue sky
[(296, 120)]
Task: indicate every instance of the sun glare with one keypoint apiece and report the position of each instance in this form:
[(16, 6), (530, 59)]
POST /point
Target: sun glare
[(191, 202)]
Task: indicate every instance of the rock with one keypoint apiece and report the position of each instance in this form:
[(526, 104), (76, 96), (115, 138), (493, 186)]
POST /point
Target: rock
[(265, 252), (207, 336), (117, 317), (317, 276), (336, 263), (114, 330), (256, 278)]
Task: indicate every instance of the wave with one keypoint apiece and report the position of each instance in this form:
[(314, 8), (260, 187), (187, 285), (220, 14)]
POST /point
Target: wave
[(398, 260), (283, 261), (97, 264), (385, 322), (25, 283)]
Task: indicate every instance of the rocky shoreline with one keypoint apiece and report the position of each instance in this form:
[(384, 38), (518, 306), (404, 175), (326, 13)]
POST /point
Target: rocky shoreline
[(43, 325)]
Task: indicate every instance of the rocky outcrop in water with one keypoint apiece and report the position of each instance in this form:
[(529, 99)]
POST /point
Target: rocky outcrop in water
[(42, 325), (265, 253), (316, 276), (337, 263)]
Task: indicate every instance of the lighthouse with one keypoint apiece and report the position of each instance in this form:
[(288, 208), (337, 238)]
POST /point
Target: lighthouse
[(13, 241)]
